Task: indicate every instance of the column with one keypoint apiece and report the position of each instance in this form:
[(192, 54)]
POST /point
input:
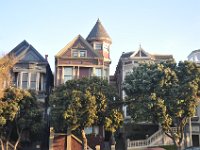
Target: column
[(78, 72), (93, 71)]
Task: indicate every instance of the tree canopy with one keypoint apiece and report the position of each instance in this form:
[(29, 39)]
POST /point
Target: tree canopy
[(6, 63), (81, 103), (167, 93), (19, 111)]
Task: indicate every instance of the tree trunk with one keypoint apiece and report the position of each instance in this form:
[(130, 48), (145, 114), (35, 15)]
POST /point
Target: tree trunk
[(18, 140), (84, 140), (2, 145)]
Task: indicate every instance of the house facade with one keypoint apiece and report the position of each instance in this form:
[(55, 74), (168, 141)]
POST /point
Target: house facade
[(32, 71), (132, 59), (84, 57), (194, 56)]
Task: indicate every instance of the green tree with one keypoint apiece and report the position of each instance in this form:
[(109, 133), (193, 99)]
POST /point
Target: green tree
[(78, 104), (21, 113), (8, 111), (167, 92)]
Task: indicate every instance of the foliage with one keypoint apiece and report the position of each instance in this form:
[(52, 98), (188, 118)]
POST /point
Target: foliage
[(22, 113), (79, 99), (6, 63), (167, 92), (82, 103)]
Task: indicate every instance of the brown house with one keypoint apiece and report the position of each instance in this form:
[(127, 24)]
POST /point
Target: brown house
[(84, 58)]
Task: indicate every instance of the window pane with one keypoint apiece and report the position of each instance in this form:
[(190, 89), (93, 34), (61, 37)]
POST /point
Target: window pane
[(98, 46), (105, 46), (68, 73), (98, 72), (33, 81), (75, 53), (25, 80), (82, 53)]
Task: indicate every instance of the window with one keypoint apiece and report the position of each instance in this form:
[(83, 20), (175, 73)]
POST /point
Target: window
[(82, 53), (15, 79), (75, 53), (105, 46), (98, 72), (33, 81), (25, 80), (79, 53), (98, 46), (68, 73)]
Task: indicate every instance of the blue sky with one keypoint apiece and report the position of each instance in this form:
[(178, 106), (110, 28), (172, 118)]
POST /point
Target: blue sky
[(161, 27)]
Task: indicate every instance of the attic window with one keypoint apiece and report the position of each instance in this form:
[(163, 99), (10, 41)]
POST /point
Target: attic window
[(75, 53), (82, 53), (79, 53)]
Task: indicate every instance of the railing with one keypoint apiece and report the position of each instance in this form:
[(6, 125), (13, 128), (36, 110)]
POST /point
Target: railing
[(146, 142)]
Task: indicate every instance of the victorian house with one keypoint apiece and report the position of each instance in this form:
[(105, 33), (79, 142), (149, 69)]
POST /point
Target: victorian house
[(141, 132), (32, 71), (132, 59), (84, 57)]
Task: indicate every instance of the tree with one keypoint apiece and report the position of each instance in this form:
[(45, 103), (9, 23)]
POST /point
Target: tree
[(78, 104), (21, 113), (8, 111), (6, 63), (168, 92)]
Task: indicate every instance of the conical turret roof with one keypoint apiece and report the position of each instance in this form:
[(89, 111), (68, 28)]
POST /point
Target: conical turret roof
[(98, 32)]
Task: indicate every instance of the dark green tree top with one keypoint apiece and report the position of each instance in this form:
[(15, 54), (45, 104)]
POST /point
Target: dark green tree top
[(167, 93)]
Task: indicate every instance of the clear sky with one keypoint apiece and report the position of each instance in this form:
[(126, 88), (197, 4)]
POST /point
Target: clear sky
[(161, 27)]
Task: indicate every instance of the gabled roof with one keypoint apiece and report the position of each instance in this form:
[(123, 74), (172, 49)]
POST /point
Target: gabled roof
[(140, 53), (127, 55), (98, 32), (26, 52), (194, 52), (79, 39)]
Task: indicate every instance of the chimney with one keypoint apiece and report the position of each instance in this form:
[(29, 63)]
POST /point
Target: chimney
[(46, 57)]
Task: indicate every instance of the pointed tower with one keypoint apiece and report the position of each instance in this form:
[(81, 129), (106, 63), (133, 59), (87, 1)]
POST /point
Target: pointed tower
[(100, 40)]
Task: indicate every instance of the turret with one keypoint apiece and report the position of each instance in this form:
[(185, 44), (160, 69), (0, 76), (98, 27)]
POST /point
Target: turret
[(100, 40)]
